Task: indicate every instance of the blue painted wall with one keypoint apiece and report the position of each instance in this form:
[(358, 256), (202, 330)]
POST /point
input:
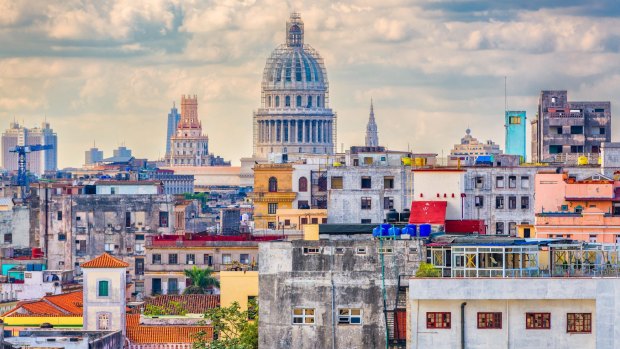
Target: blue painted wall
[(515, 133)]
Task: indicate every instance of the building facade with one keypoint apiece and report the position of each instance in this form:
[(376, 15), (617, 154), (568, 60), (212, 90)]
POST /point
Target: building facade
[(122, 152), (273, 190), (514, 123), (470, 147), (93, 156), (563, 130), (38, 162), (372, 135), (173, 120), (294, 117)]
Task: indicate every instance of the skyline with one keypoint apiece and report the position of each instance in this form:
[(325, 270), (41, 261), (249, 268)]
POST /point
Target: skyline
[(109, 72)]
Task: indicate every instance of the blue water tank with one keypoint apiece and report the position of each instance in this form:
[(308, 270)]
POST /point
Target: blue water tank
[(425, 230), (376, 232), (385, 229), (394, 231), (410, 229)]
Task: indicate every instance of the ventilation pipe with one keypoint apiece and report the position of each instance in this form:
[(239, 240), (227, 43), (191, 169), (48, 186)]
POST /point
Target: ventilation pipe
[(463, 324)]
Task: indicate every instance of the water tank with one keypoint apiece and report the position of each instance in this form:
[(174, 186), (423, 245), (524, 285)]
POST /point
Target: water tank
[(410, 229), (376, 232), (392, 216), (406, 161), (385, 229), (582, 160), (420, 162), (404, 216), (394, 231), (425, 230)]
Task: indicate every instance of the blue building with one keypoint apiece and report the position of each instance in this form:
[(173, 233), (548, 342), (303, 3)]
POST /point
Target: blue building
[(515, 133), (173, 120)]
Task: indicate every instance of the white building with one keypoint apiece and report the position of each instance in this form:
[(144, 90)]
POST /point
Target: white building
[(514, 313), (441, 184), (128, 187), (38, 162)]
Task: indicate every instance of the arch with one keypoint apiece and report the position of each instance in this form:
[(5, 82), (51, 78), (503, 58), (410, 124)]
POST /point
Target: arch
[(303, 184), (287, 101), (298, 104), (277, 101), (273, 184)]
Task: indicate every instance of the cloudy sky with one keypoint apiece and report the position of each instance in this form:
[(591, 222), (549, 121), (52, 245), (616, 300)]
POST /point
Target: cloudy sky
[(108, 71)]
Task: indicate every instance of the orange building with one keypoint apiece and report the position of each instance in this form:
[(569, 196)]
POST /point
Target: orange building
[(586, 210)]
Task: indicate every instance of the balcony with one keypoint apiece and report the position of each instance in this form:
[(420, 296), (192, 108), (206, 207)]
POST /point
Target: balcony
[(216, 267), (272, 196)]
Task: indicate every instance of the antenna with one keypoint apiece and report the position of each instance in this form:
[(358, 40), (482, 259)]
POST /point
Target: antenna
[(505, 95)]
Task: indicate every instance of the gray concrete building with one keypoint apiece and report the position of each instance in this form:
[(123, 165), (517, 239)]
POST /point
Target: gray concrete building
[(341, 292), (564, 130), (14, 225)]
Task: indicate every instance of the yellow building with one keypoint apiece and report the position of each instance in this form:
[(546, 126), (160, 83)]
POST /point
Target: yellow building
[(273, 190), (526, 231), (295, 218), (238, 286)]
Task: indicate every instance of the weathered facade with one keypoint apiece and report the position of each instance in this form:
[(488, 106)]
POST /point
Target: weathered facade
[(331, 293), (562, 131)]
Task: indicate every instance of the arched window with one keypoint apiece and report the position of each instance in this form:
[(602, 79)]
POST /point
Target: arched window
[(318, 101), (273, 184), (287, 101), (309, 101), (269, 101), (298, 104), (277, 101), (303, 184)]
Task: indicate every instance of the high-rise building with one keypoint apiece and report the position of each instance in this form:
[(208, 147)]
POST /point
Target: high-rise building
[(471, 147), (93, 156), (515, 133), (189, 146), (294, 117), (37, 162), (562, 131), (173, 120), (122, 151), (372, 136)]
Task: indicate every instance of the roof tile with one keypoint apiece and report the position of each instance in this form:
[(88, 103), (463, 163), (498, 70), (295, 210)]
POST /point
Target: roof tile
[(105, 261), (193, 303)]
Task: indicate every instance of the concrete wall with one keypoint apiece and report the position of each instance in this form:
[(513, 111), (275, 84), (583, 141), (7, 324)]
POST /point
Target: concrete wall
[(337, 277), (237, 286), (441, 185), (150, 189), (513, 298)]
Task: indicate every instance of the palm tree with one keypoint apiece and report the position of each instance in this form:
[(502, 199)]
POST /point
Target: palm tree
[(202, 279)]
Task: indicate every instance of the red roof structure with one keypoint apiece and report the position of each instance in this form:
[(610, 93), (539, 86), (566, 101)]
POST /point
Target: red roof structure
[(428, 212), (105, 261)]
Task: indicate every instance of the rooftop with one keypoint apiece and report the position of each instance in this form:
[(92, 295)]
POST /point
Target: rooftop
[(105, 261), (66, 304)]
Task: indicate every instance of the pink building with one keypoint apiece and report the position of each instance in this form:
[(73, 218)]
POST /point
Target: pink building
[(587, 210)]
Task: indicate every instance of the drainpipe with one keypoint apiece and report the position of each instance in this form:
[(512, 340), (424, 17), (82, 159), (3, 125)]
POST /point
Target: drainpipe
[(463, 324)]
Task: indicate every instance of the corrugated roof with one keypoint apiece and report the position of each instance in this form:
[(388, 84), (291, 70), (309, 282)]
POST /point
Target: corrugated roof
[(105, 261)]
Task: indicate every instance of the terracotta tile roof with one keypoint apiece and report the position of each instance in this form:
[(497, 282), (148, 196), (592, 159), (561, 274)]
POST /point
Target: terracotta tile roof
[(105, 261), (159, 334), (132, 320), (193, 303), (66, 304)]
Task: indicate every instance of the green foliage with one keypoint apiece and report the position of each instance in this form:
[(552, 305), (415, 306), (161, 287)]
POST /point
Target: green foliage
[(231, 328), (172, 308), (427, 270), (202, 279)]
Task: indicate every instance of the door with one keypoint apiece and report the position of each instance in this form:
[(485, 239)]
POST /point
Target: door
[(156, 286)]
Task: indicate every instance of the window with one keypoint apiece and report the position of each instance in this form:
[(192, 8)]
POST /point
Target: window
[(479, 182), (244, 258), (277, 101), (207, 259), (537, 321), (366, 182), (226, 259), (360, 250), (368, 161), (139, 266), (127, 219), (438, 320), (592, 238), (108, 247), (512, 228), (388, 182), (352, 316), (366, 221), (157, 258), (318, 101), (139, 237), (62, 237), (479, 201), (489, 320), (499, 228), (512, 202), (173, 286), (601, 130), (303, 184), (499, 202), (312, 250), (515, 120), (576, 130), (336, 182), (190, 258), (298, 99), (103, 321), (304, 221), (8, 238), (272, 207), (273, 184), (303, 316), (499, 182), (525, 182), (525, 202), (579, 322), (173, 258), (556, 130), (366, 203), (555, 149), (385, 250), (59, 215), (287, 101), (303, 204), (339, 250), (322, 184), (576, 148), (314, 220), (388, 203), (103, 289), (163, 219)]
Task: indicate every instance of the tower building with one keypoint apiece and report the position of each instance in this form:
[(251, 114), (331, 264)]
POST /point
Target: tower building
[(93, 156), (173, 120), (37, 162), (515, 133), (294, 117), (372, 136), (189, 146)]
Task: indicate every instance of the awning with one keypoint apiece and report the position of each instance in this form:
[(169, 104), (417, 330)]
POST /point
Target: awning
[(428, 212)]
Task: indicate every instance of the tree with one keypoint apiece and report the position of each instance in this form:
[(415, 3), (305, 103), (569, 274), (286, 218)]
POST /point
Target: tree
[(427, 270), (202, 279), (232, 328)]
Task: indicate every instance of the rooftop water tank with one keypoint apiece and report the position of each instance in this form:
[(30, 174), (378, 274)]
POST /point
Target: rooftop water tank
[(394, 231), (425, 230), (409, 229), (392, 216), (404, 216)]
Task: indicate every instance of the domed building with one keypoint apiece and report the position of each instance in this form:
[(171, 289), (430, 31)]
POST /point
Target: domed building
[(294, 117)]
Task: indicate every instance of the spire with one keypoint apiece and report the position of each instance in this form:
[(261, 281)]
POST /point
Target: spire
[(372, 136)]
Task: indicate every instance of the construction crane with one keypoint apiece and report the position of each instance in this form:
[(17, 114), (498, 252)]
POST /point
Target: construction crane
[(22, 175)]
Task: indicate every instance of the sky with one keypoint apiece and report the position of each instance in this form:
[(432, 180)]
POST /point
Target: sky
[(108, 71)]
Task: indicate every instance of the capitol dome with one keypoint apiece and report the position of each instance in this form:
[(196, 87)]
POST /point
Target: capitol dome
[(294, 117)]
